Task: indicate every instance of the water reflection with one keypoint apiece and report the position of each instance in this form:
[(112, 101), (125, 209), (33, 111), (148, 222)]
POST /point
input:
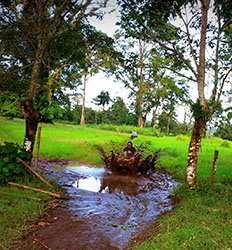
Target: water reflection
[(92, 184), (109, 184)]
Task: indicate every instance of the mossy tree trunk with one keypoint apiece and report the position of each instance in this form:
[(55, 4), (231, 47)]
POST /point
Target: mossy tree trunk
[(200, 116), (193, 152)]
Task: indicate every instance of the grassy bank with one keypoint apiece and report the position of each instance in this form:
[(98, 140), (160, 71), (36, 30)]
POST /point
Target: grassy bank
[(17, 208), (203, 219)]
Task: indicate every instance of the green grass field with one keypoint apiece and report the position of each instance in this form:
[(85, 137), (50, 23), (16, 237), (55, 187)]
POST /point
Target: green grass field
[(202, 220), (17, 208)]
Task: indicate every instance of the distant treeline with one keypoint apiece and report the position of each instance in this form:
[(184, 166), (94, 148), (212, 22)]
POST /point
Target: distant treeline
[(116, 114)]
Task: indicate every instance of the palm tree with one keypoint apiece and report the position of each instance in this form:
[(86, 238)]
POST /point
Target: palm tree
[(102, 99)]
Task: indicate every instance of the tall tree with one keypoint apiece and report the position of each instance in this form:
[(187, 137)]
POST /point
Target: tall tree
[(224, 125), (140, 69), (99, 50), (184, 31), (82, 120), (37, 35), (118, 112), (134, 70)]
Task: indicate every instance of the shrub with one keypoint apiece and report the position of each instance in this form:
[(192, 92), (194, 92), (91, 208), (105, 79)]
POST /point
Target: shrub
[(182, 138), (10, 170), (225, 144), (127, 129)]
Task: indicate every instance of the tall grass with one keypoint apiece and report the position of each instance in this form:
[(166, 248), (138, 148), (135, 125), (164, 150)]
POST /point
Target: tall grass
[(127, 129)]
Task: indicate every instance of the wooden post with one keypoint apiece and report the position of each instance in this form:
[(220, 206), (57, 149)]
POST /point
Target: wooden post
[(214, 167), (38, 147)]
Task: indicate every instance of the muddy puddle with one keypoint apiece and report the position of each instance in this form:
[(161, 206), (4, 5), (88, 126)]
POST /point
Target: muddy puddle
[(113, 207)]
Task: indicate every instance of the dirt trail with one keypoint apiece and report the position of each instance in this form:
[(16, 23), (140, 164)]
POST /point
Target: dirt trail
[(105, 210)]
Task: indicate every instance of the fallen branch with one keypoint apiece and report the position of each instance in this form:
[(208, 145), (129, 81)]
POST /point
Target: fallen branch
[(56, 195), (42, 244), (32, 171)]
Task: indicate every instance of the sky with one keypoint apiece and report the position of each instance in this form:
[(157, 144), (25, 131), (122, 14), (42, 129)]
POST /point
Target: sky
[(100, 82)]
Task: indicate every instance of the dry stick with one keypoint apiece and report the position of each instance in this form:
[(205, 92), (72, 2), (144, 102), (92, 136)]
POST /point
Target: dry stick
[(41, 178), (214, 167), (42, 244), (56, 195), (38, 147)]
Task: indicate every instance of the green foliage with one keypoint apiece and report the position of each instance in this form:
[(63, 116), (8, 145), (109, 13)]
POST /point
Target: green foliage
[(168, 123), (225, 144), (102, 99), (10, 170), (91, 116), (118, 113), (66, 45), (224, 127), (127, 129), (182, 138), (54, 111), (198, 112), (9, 106)]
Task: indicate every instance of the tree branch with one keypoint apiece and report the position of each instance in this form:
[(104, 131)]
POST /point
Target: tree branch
[(216, 66), (189, 39), (180, 74), (222, 84)]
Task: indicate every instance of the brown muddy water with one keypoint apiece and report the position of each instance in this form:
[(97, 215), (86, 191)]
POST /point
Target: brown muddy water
[(114, 207)]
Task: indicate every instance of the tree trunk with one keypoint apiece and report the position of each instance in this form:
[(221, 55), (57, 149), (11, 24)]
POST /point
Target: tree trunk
[(30, 134), (168, 125), (141, 121), (194, 147), (31, 121), (30, 114), (39, 76), (154, 118), (82, 122), (141, 86), (201, 65), (139, 107), (200, 122)]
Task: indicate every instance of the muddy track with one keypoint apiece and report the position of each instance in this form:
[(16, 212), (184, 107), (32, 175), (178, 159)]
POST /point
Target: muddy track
[(105, 210)]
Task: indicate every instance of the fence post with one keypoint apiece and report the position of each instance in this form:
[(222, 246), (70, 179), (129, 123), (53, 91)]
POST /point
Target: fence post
[(38, 146), (214, 167)]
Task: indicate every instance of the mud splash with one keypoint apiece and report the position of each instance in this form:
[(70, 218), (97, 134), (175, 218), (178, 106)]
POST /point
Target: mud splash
[(114, 208)]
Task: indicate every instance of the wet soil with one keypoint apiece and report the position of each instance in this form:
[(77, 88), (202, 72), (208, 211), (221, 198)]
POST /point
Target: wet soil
[(105, 210)]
